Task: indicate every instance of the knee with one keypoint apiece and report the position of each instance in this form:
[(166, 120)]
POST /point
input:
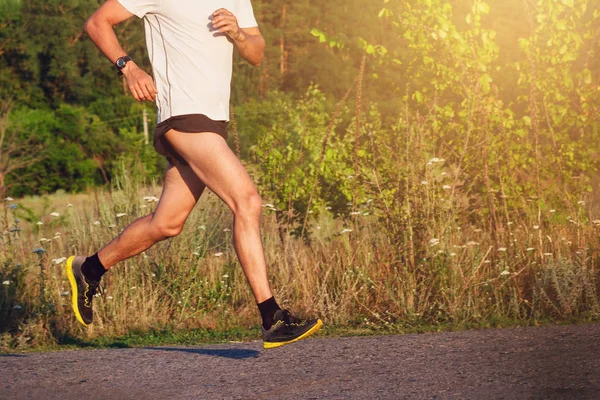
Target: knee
[(249, 206), (166, 230)]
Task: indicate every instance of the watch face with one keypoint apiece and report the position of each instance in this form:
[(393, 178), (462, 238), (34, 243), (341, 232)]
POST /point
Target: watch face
[(121, 63)]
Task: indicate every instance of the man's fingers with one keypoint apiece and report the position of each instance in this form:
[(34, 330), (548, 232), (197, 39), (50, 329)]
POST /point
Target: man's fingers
[(136, 93), (152, 90), (220, 21), (222, 11), (146, 94)]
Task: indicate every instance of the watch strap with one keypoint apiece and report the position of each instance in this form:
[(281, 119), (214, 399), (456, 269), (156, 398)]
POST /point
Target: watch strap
[(121, 63)]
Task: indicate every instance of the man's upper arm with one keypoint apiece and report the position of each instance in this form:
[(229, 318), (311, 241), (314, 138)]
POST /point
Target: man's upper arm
[(111, 11), (117, 11)]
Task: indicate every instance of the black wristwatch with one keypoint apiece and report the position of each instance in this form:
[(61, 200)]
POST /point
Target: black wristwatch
[(121, 63)]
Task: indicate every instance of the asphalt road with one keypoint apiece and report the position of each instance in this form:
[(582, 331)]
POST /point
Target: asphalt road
[(524, 363)]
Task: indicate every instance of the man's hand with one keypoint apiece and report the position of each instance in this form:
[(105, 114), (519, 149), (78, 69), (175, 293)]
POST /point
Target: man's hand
[(139, 82), (225, 22)]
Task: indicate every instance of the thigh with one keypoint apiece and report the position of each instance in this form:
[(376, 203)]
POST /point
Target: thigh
[(215, 164), (181, 191)]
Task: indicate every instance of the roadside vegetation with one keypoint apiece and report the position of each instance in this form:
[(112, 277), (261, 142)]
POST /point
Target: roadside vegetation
[(469, 199)]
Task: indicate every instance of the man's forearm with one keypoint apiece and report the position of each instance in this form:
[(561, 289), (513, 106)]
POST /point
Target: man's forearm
[(103, 36), (251, 48)]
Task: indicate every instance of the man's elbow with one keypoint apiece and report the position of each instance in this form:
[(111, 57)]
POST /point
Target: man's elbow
[(256, 62), (90, 25)]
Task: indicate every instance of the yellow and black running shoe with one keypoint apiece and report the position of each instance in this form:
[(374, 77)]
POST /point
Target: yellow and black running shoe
[(288, 329), (82, 290)]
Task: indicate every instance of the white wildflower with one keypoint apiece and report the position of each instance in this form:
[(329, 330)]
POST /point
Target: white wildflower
[(111, 226), (196, 253), (471, 243), (434, 242), (530, 249), (435, 160), (218, 254), (345, 231), (355, 213), (487, 262), (96, 223), (17, 307), (424, 183), (452, 254), (318, 228), (596, 222), (268, 205), (328, 208), (581, 203), (133, 288), (109, 297), (54, 214), (8, 199), (69, 205), (504, 273), (119, 215), (6, 283), (59, 260), (56, 237), (502, 249), (552, 211), (153, 275), (536, 227), (548, 254), (226, 230), (446, 187), (42, 240), (39, 223), (202, 227), (63, 294), (225, 276), (366, 214), (510, 223)]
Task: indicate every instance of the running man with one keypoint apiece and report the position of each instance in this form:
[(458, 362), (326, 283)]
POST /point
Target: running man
[(190, 45)]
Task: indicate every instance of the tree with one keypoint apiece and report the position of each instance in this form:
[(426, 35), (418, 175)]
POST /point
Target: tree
[(15, 154)]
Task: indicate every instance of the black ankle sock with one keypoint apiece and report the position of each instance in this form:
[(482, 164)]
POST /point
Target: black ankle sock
[(267, 310), (92, 268)]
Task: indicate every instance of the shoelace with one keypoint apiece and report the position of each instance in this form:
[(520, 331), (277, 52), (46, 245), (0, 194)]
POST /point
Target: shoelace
[(95, 289), (289, 318)]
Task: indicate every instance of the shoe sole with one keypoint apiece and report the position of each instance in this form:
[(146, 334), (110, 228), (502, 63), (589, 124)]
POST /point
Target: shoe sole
[(74, 291), (311, 331)]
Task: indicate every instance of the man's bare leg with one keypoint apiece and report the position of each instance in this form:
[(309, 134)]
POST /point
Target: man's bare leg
[(181, 192), (214, 163)]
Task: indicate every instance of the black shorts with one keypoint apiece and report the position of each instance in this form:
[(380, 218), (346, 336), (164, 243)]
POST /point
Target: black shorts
[(189, 123)]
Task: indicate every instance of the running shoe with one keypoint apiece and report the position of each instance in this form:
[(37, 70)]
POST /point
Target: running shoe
[(82, 290), (288, 329)]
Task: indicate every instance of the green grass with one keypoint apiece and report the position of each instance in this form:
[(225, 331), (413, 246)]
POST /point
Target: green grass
[(200, 337)]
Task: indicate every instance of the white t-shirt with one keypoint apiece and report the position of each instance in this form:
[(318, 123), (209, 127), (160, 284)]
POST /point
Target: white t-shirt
[(192, 64)]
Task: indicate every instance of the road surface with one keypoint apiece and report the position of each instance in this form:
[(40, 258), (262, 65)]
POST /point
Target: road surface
[(522, 363)]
